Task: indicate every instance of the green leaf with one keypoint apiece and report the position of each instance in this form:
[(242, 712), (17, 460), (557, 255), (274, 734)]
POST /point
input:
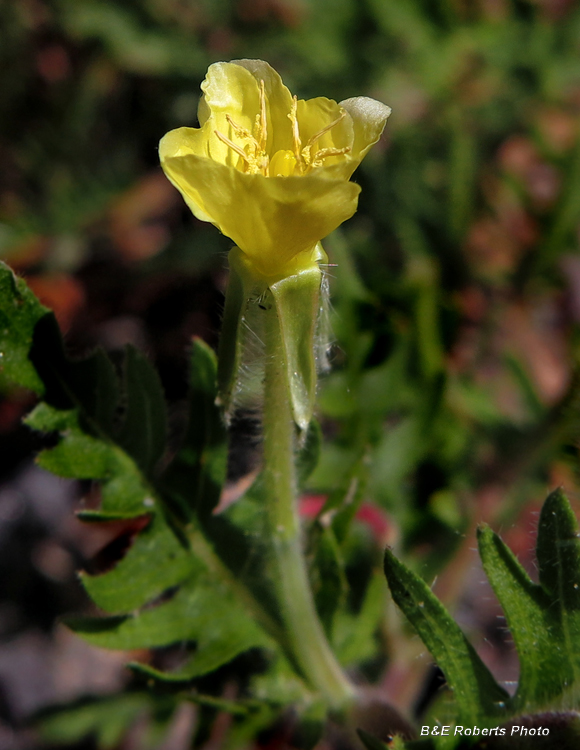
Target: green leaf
[(144, 431), (89, 384), (327, 575), (20, 311), (238, 537), (196, 475), (108, 719), (353, 635), (155, 562), (192, 486), (203, 611), (82, 456), (478, 696), (558, 553), (544, 619), (169, 584)]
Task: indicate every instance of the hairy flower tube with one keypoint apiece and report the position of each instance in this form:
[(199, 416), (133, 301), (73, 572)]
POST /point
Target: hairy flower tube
[(271, 171)]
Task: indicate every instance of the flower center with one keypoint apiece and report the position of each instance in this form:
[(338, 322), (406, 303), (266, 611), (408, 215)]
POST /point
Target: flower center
[(301, 160)]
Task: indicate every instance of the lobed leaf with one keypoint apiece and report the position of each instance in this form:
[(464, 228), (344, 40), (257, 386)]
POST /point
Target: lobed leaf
[(478, 696), (20, 311), (543, 618), (165, 582), (154, 563), (203, 611)]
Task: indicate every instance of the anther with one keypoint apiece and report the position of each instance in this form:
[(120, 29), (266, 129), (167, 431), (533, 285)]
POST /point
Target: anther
[(326, 152), (242, 132)]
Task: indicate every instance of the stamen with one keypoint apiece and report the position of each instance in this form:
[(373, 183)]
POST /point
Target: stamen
[(232, 145), (255, 158), (263, 120), (242, 132), (318, 135), (293, 117), (325, 152)]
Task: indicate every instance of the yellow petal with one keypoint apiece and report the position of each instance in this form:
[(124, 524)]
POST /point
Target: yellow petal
[(228, 90), (272, 219), (179, 143), (315, 115), (283, 163), (234, 89), (369, 118), (279, 101)]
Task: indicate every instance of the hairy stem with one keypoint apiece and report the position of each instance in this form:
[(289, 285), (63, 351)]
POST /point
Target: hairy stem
[(304, 630)]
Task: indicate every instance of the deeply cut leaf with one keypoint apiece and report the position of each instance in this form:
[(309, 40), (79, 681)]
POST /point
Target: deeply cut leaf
[(19, 313), (164, 581), (544, 618), (200, 612), (478, 696)]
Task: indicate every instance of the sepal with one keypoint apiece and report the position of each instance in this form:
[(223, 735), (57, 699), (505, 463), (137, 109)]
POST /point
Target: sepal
[(296, 297)]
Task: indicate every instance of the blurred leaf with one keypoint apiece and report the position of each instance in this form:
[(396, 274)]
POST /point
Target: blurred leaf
[(565, 220), (196, 474), (353, 634), (144, 431), (327, 575), (89, 385), (135, 47), (108, 719), (462, 174), (370, 742)]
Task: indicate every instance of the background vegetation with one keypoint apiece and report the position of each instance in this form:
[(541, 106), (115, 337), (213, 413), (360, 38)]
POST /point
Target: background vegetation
[(453, 397)]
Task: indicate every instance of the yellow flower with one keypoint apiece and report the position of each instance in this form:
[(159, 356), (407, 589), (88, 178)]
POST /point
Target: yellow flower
[(269, 170)]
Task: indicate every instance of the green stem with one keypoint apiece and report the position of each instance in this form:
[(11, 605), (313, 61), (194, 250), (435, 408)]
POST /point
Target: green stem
[(305, 634)]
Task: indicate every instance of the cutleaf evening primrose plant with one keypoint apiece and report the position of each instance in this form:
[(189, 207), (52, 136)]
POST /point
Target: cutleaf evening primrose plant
[(272, 172), (234, 587)]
